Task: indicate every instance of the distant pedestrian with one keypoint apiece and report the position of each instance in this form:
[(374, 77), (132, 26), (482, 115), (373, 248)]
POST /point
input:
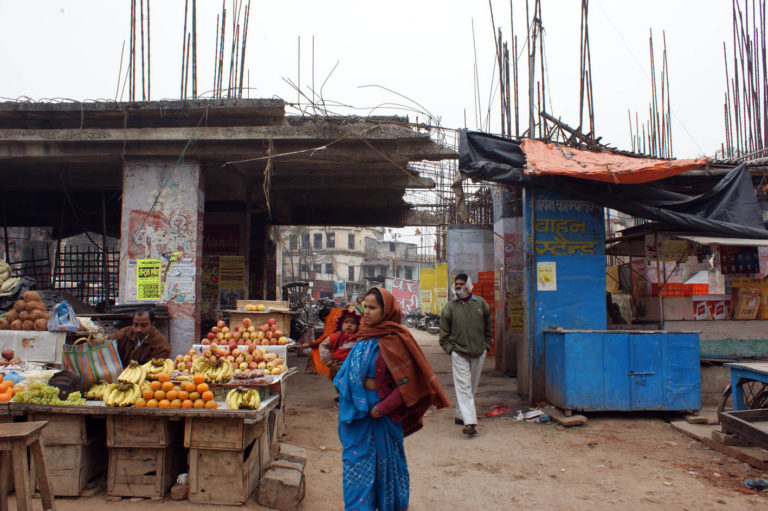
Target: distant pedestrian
[(466, 335)]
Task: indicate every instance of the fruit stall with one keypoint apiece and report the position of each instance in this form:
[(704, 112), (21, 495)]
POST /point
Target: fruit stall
[(214, 413)]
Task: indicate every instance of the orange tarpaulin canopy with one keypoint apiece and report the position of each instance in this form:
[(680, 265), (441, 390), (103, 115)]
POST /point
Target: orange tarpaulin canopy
[(544, 158)]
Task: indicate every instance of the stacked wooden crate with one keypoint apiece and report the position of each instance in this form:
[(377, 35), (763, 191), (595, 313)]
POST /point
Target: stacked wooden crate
[(485, 287), (145, 455), (74, 450), (226, 458)]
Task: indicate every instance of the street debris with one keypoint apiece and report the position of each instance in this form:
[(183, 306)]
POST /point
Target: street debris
[(756, 484), (532, 416)]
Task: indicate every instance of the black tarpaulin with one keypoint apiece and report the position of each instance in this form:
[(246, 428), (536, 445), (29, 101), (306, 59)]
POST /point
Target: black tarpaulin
[(728, 208)]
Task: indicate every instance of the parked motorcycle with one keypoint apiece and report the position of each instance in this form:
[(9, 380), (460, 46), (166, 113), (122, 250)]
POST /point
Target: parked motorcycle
[(411, 319), (432, 323)]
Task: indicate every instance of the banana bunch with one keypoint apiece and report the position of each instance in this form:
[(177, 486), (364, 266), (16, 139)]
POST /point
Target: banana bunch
[(144, 386), (6, 282), (219, 371), (243, 398), (199, 364), (158, 366), (215, 372), (134, 373), (121, 394), (97, 390)]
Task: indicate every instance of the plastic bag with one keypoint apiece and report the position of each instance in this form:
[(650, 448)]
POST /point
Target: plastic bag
[(63, 319)]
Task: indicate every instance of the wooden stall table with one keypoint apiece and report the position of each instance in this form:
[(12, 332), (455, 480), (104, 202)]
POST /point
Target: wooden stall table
[(743, 372), (14, 440), (228, 449)]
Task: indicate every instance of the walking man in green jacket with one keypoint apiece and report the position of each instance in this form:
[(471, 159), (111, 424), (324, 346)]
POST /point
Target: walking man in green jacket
[(465, 334)]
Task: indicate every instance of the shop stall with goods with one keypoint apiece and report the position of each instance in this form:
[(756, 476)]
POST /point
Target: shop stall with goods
[(714, 285), (214, 412)]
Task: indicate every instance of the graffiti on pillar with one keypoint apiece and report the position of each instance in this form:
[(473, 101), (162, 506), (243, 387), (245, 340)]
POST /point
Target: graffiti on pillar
[(169, 237), (157, 233)]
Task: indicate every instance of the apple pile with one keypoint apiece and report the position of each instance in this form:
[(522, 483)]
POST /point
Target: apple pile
[(250, 359), (241, 347), (245, 334)]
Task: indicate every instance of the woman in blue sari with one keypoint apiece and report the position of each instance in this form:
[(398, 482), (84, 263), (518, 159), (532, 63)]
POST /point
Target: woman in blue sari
[(385, 386)]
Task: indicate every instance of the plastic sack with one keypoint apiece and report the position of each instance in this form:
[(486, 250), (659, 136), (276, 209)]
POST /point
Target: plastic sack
[(63, 319), (31, 377)]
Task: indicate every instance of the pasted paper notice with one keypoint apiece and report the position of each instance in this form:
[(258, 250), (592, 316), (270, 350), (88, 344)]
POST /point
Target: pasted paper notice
[(546, 276), (148, 279)]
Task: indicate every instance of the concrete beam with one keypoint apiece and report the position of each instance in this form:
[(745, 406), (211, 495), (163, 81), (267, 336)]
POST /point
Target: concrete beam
[(317, 133), (348, 153)]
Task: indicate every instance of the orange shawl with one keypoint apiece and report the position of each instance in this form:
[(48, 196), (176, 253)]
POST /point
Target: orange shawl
[(413, 375)]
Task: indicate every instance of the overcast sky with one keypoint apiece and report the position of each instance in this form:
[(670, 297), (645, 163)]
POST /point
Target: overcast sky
[(422, 49)]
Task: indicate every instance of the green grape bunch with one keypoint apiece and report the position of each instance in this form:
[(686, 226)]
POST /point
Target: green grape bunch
[(43, 394)]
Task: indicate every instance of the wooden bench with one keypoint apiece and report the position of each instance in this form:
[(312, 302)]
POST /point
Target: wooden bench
[(15, 437)]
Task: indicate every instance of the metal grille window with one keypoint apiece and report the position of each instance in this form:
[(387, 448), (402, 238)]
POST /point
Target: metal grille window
[(330, 240), (408, 273), (305, 240), (328, 268), (318, 268), (79, 271), (293, 242), (318, 240), (351, 242), (351, 275)]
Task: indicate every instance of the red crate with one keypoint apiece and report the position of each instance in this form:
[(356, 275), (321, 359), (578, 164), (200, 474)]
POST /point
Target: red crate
[(700, 289), (669, 289)]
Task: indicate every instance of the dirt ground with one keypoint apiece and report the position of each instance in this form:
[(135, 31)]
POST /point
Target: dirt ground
[(614, 461)]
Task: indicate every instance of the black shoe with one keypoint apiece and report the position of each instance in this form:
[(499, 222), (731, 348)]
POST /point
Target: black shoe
[(470, 430), (458, 421)]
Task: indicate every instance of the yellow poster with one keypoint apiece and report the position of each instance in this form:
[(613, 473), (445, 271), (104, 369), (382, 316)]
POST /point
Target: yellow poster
[(546, 276), (148, 279), (232, 282), (231, 272), (427, 286), (441, 287)]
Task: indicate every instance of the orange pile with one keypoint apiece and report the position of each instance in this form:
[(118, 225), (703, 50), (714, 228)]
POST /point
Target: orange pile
[(6, 389), (189, 394)]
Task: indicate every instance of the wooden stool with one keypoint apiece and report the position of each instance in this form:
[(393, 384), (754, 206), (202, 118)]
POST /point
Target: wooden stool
[(14, 439)]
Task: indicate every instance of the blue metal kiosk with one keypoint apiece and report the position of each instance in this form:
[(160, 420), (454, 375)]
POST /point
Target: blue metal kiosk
[(580, 364)]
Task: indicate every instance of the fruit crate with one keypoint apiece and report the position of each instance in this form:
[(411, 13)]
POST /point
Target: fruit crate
[(140, 431), (220, 434), (143, 472), (70, 467), (75, 450), (227, 477)]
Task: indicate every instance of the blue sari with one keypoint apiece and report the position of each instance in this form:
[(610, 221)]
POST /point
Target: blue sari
[(375, 470)]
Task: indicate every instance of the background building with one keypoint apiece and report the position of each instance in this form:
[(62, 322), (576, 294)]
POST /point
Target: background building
[(361, 257)]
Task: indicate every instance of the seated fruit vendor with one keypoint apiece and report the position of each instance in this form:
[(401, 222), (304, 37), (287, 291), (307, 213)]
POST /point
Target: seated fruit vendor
[(142, 341)]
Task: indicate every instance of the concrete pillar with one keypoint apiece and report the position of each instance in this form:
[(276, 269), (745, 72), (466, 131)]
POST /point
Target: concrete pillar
[(509, 257), (564, 275), (162, 218)]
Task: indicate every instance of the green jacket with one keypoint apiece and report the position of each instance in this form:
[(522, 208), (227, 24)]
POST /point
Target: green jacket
[(465, 327)]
